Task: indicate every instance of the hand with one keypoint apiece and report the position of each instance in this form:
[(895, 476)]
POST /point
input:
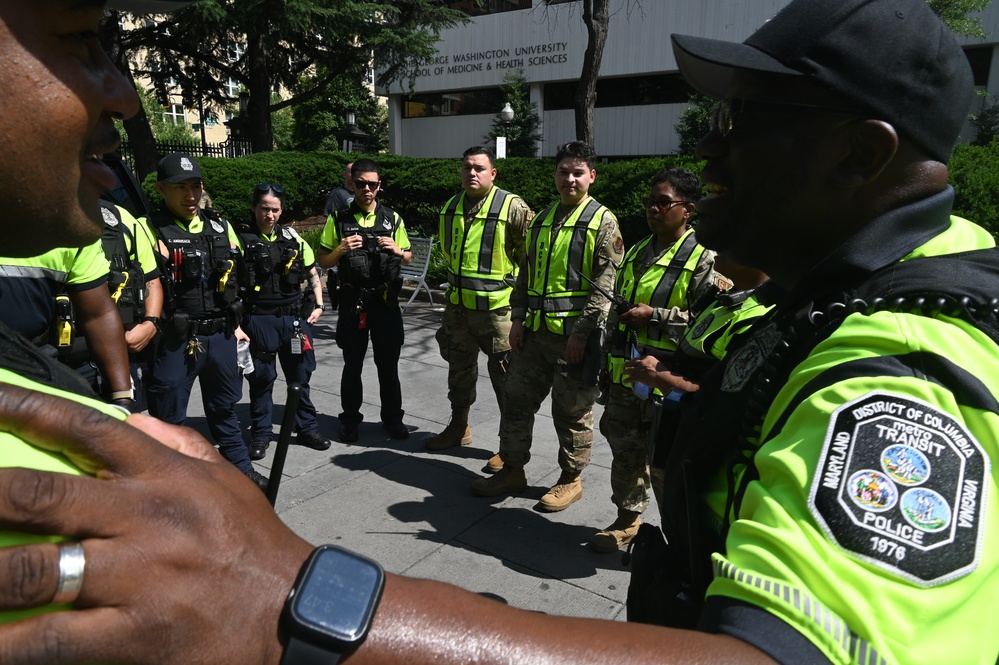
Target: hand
[(638, 316), (186, 560), (350, 243), (388, 244), (240, 335), (517, 336), (575, 348), (643, 370), (140, 336), (316, 313)]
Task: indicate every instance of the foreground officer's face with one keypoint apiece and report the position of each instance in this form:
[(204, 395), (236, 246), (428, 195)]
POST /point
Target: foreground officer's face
[(58, 95), (771, 195)]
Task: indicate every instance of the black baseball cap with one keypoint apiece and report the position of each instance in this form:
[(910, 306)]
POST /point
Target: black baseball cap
[(894, 58), (177, 168), (149, 6)]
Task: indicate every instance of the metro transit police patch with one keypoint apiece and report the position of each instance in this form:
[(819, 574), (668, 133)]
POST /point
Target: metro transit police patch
[(901, 485)]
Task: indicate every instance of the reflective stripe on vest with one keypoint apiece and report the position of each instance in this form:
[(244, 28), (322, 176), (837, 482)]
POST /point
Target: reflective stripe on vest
[(480, 274), (554, 292)]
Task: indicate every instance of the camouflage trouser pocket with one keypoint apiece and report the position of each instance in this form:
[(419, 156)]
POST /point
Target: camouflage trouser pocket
[(443, 344)]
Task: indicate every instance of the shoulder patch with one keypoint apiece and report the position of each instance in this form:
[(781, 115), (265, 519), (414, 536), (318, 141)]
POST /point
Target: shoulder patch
[(901, 485), (742, 364), (618, 245), (109, 217)]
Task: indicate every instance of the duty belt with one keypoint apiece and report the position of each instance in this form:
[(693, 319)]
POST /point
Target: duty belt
[(206, 326), (282, 310)]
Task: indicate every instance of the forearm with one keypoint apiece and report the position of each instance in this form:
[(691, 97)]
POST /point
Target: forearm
[(328, 258), (421, 621), (98, 317), (106, 341), (154, 298)]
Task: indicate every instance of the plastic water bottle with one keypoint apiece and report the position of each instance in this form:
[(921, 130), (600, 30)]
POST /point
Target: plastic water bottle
[(243, 358)]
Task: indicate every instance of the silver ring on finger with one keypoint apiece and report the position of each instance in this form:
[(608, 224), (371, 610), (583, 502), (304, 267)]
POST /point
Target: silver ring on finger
[(71, 565)]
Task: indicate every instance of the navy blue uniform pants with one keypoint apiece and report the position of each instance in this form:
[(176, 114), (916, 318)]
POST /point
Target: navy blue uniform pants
[(168, 389), (270, 341), (384, 329)]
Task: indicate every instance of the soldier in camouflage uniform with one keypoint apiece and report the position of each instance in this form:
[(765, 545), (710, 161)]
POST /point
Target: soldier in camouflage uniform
[(662, 276), (556, 317), (482, 234)]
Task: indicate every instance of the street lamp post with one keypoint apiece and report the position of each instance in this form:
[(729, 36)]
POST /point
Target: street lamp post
[(507, 116)]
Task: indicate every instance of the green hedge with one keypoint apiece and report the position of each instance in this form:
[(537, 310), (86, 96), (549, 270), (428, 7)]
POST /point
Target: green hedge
[(417, 188)]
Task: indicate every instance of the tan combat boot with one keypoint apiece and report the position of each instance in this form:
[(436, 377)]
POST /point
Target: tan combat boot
[(494, 464), (457, 432), (509, 480), (617, 535), (568, 490)]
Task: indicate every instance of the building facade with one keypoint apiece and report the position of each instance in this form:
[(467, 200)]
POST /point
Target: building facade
[(640, 95)]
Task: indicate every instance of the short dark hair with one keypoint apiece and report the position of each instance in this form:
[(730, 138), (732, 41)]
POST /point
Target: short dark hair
[(480, 150), (682, 181), (365, 166), (577, 150)]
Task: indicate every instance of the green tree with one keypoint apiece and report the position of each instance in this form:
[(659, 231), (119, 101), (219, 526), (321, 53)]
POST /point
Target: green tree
[(694, 122), (164, 128), (524, 131), (319, 122), (265, 45), (955, 14)]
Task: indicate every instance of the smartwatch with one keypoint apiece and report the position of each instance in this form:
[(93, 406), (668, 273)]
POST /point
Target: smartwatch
[(329, 610)]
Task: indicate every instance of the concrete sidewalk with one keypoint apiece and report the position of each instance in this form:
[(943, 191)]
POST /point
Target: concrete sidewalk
[(412, 511)]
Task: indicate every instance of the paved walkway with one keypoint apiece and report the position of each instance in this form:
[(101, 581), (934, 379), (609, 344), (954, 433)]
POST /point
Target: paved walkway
[(412, 510)]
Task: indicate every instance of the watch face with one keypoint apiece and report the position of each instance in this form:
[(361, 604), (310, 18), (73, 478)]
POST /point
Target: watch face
[(338, 595)]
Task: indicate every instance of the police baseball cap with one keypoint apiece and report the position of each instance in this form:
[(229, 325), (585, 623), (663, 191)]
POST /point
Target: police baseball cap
[(894, 58), (177, 168), (149, 6)]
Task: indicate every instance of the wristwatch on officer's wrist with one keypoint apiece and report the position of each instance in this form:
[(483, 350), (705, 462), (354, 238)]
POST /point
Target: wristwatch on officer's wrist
[(329, 610), (321, 306)]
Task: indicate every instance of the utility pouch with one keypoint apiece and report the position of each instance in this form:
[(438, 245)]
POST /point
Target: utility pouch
[(179, 325)]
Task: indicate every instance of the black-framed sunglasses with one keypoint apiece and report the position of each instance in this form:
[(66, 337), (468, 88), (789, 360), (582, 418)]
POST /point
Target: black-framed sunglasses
[(367, 184), (662, 204), (725, 112), (267, 187)]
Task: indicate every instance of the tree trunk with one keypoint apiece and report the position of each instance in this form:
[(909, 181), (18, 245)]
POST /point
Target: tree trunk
[(596, 16), (261, 136)]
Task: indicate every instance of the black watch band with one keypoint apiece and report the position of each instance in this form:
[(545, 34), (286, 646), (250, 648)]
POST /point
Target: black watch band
[(300, 652)]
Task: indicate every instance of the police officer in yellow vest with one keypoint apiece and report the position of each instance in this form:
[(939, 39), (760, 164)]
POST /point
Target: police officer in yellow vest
[(662, 276), (556, 315), (482, 233)]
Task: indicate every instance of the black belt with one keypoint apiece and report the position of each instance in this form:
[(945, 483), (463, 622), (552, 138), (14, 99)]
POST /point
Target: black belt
[(283, 310), (207, 326)]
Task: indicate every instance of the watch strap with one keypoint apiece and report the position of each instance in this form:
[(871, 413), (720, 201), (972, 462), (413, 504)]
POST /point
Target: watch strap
[(299, 652)]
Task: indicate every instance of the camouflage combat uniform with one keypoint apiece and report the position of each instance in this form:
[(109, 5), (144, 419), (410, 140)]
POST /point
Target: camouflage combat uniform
[(670, 280), (540, 366), (483, 254)]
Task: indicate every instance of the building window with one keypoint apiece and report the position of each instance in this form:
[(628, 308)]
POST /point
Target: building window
[(980, 59), (483, 7), (623, 91), (472, 102), (174, 114), (232, 87)]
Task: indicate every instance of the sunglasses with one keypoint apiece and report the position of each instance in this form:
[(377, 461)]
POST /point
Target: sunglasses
[(267, 187), (663, 204), (367, 184), (723, 116)]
